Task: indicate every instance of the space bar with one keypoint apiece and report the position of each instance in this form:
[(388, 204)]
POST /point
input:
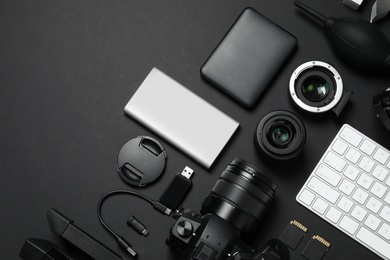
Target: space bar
[(374, 242)]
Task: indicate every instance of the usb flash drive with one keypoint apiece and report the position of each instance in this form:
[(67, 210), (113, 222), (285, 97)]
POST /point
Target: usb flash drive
[(177, 189)]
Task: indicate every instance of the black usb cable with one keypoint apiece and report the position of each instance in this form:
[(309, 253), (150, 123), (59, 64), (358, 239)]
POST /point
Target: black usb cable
[(170, 200), (121, 240)]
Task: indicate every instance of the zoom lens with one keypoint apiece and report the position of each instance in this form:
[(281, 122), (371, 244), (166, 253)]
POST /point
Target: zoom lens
[(280, 135), (241, 196)]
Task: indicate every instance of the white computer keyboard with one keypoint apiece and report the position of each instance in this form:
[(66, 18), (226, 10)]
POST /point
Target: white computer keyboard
[(350, 189)]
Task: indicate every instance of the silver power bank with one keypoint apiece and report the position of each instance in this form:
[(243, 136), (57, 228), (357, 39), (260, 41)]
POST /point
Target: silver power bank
[(178, 115)]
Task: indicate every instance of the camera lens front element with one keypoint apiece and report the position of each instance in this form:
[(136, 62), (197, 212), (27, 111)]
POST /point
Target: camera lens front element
[(281, 135), (315, 88)]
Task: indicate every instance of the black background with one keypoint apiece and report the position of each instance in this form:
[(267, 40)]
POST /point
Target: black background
[(68, 68)]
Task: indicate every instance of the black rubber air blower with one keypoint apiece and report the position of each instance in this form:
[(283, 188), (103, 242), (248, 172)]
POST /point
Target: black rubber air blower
[(355, 40)]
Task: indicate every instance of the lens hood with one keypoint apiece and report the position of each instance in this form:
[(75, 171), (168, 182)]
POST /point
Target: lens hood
[(280, 135)]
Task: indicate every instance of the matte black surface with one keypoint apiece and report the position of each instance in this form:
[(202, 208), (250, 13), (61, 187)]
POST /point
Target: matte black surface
[(64, 228), (249, 56), (68, 68)]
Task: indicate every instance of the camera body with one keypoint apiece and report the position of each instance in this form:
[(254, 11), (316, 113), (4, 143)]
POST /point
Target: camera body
[(229, 215), (381, 103), (210, 237)]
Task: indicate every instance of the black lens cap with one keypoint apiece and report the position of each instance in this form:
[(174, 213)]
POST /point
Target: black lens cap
[(141, 161)]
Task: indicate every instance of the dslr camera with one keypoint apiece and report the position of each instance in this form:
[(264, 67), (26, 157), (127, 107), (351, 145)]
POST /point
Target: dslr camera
[(227, 218)]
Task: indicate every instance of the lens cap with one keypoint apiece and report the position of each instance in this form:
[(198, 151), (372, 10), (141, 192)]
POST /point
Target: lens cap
[(141, 161)]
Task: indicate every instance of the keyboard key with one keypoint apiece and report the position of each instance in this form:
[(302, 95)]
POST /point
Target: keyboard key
[(384, 231), (385, 213), (372, 222), (359, 213), (323, 190), (351, 172), (378, 189), (387, 198), (380, 172), (365, 181), (328, 175), (367, 147), (347, 187), (339, 147), (374, 205), (381, 155), (351, 136), (366, 164), (306, 197), (349, 225), (334, 161), (320, 205), (388, 182), (353, 155), (360, 196), (345, 204), (374, 242), (334, 214)]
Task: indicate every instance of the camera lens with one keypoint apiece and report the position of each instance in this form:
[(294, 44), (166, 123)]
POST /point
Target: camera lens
[(316, 86), (280, 135), (241, 196)]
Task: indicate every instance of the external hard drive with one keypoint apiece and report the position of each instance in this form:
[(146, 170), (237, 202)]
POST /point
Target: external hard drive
[(181, 117), (248, 57)]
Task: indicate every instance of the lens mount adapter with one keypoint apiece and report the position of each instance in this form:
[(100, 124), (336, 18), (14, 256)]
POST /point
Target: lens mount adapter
[(280, 135), (317, 87)]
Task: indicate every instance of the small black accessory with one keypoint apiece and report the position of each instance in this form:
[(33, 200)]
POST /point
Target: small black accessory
[(316, 248), (137, 226), (141, 161), (248, 57), (178, 187), (381, 104), (355, 40), (293, 234), (120, 240), (229, 215), (317, 87), (64, 227), (41, 249), (280, 135)]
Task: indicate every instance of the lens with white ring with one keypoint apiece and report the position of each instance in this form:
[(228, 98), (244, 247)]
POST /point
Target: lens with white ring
[(316, 86)]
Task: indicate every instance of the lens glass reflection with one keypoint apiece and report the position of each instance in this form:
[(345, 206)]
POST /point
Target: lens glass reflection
[(280, 135), (315, 88)]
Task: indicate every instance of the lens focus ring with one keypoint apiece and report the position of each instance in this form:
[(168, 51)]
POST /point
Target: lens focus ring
[(241, 196)]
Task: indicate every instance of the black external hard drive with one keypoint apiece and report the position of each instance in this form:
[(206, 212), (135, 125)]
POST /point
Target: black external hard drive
[(248, 57)]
